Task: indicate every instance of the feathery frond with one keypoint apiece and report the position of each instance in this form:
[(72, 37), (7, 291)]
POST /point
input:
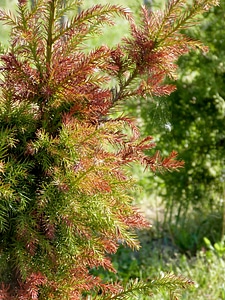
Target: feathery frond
[(166, 281)]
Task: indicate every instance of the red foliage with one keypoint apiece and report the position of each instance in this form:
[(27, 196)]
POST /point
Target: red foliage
[(69, 149), (29, 289), (4, 292)]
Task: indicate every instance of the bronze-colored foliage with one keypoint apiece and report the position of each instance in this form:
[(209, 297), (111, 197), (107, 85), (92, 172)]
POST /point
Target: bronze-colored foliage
[(64, 187)]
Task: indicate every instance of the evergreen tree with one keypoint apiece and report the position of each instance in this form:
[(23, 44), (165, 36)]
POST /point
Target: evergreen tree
[(64, 202)]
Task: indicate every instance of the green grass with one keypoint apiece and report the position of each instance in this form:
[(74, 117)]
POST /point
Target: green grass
[(160, 255)]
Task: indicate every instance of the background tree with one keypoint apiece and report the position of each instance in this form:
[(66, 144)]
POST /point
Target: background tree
[(64, 155), (191, 121)]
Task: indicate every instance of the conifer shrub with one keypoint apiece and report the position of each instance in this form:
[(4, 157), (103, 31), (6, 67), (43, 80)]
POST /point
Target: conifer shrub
[(65, 148)]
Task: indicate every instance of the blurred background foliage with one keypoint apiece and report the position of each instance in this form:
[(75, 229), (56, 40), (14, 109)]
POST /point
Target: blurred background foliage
[(191, 121), (187, 208), (189, 205)]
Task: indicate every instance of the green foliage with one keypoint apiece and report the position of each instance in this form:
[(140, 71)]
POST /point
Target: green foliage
[(191, 121), (159, 255), (65, 205), (164, 282), (197, 117), (218, 248)]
